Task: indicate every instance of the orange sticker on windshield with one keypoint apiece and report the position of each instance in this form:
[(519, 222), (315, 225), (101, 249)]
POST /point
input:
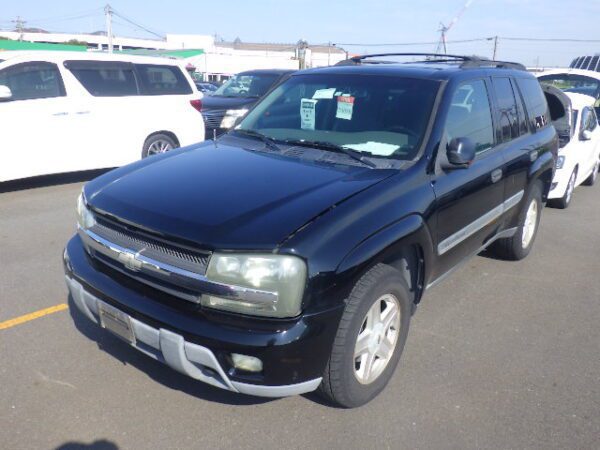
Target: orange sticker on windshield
[(345, 107)]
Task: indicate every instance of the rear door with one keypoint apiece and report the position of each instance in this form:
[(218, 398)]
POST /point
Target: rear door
[(34, 122), (110, 113), (469, 200), (515, 141)]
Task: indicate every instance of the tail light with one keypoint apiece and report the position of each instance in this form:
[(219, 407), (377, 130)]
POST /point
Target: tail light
[(196, 104)]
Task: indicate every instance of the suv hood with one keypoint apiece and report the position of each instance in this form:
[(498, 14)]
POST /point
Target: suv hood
[(225, 196), (217, 102)]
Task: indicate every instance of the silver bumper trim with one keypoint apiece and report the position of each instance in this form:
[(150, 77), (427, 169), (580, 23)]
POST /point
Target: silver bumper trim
[(191, 359)]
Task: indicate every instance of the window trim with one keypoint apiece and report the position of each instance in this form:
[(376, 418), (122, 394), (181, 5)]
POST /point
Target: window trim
[(61, 83)]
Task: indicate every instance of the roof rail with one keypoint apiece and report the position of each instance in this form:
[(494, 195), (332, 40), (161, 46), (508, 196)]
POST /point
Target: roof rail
[(466, 61)]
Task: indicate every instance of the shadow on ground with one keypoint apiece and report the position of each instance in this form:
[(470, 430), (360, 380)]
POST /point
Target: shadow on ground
[(154, 369), (100, 444)]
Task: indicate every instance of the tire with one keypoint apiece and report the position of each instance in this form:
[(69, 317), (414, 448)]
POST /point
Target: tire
[(518, 246), (565, 200), (591, 180), (342, 384), (158, 143)]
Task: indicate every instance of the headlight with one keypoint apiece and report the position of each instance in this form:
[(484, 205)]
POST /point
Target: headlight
[(560, 162), (282, 275), (231, 116), (85, 218)]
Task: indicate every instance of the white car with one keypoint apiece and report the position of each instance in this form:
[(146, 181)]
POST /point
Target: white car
[(578, 159), (70, 111)]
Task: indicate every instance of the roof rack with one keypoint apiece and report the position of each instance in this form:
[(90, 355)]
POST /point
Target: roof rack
[(466, 61)]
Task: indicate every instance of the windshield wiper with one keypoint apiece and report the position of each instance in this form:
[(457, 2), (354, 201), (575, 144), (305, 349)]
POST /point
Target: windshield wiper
[(323, 145), (269, 142)]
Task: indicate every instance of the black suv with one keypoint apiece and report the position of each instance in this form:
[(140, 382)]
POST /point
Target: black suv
[(223, 107), (290, 254)]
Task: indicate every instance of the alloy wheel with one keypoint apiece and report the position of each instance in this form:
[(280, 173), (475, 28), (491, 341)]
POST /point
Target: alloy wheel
[(377, 339), (159, 146), (530, 224)]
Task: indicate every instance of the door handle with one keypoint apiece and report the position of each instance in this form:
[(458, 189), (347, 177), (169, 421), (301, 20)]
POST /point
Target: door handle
[(62, 113), (496, 175)]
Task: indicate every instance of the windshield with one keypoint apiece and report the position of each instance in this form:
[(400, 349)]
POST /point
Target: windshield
[(378, 116), (247, 85), (577, 84)]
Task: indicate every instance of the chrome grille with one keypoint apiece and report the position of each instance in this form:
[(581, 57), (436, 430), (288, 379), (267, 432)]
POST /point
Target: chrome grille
[(169, 254), (213, 117)]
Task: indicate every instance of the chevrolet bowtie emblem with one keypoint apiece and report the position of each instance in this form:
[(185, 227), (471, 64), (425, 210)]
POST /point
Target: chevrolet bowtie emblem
[(130, 261)]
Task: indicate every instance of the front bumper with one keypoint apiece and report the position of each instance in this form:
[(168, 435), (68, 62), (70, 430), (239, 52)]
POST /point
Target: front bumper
[(199, 343), (190, 359), (558, 188)]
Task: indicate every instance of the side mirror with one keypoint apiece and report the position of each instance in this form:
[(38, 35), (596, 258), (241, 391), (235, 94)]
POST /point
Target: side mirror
[(5, 93), (460, 152), (586, 135)]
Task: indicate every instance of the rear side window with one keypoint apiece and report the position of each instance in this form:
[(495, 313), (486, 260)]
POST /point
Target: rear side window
[(105, 78), (162, 80), (33, 80), (470, 115), (535, 102), (507, 109)]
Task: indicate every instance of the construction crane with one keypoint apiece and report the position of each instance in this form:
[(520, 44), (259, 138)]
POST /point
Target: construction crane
[(441, 46)]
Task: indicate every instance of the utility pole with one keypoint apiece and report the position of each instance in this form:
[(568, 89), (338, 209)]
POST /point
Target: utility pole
[(108, 12), (19, 26), (329, 53), (495, 48)]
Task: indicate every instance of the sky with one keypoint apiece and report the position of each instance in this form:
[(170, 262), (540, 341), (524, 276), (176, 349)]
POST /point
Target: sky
[(344, 22)]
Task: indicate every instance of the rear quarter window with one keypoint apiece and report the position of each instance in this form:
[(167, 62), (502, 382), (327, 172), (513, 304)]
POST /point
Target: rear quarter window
[(162, 80), (535, 102)]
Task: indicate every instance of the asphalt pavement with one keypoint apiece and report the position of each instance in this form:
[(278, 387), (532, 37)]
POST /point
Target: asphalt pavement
[(500, 355)]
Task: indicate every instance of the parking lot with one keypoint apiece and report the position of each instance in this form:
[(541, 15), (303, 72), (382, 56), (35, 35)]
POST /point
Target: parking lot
[(500, 355)]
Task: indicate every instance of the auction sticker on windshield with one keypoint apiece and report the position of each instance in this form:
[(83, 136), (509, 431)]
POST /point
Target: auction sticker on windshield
[(345, 105), (307, 113)]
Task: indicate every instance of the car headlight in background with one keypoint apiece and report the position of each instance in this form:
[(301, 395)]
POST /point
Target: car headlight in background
[(282, 275), (85, 218), (231, 116), (560, 162)]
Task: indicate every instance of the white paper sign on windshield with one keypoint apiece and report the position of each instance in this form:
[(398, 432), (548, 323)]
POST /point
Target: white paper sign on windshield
[(307, 113), (324, 93)]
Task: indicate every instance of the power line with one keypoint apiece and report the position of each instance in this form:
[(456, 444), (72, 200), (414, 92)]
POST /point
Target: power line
[(548, 39), (141, 27), (399, 44)]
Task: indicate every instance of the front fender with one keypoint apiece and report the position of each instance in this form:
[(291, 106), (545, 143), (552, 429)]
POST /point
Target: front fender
[(389, 243)]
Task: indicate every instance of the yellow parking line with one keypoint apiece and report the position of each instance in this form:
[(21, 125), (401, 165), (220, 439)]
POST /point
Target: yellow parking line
[(34, 315)]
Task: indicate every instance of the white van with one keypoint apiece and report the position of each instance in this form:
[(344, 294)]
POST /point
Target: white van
[(69, 111)]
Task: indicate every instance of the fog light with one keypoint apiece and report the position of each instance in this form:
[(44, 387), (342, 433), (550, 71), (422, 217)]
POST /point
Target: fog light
[(246, 363)]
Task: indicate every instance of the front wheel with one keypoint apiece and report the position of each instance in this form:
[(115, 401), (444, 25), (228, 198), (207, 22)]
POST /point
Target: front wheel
[(370, 338), (519, 245), (157, 144)]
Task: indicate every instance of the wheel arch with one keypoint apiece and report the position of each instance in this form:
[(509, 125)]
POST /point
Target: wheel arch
[(405, 245), (165, 132)]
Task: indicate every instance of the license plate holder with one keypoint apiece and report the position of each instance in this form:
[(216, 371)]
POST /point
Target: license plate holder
[(117, 322)]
